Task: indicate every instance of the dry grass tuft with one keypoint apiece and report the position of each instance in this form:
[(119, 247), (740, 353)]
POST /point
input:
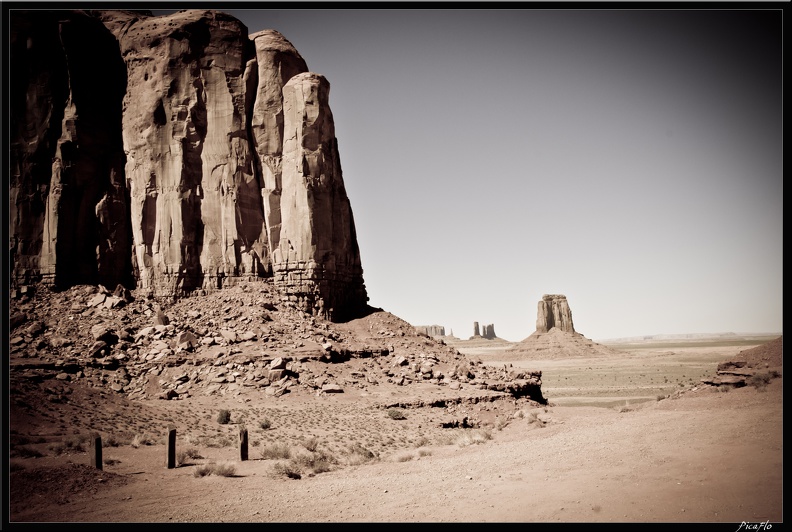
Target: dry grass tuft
[(287, 469), (275, 451), (396, 413), (356, 454), (184, 457), (141, 439), (224, 469), (474, 437)]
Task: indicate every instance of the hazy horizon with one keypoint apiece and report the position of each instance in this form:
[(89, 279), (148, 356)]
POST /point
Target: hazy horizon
[(630, 160)]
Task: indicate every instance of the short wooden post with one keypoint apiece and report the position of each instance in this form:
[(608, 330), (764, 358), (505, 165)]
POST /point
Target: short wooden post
[(96, 451), (171, 448), (243, 443)]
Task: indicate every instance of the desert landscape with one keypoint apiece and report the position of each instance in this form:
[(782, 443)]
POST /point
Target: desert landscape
[(636, 436), (191, 340)]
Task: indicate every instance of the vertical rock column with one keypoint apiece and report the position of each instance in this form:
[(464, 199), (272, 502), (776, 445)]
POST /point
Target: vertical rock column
[(488, 331), (317, 262), (277, 62), (195, 203)]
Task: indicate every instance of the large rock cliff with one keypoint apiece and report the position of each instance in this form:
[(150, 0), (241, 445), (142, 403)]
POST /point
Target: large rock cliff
[(175, 153)]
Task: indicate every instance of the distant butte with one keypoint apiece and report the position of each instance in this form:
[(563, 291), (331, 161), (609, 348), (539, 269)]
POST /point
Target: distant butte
[(555, 337)]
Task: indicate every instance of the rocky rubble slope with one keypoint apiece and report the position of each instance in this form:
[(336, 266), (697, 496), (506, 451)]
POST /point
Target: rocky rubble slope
[(245, 339)]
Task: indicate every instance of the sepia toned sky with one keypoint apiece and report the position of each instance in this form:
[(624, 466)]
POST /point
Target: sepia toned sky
[(630, 160)]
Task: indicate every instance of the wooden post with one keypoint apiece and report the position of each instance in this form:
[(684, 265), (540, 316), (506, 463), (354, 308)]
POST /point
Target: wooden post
[(243, 443), (96, 451), (171, 448)]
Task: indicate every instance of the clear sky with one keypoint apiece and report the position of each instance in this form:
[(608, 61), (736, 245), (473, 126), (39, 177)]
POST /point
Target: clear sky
[(630, 160)]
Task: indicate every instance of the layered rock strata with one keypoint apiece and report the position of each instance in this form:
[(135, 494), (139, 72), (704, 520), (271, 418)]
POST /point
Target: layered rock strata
[(204, 156)]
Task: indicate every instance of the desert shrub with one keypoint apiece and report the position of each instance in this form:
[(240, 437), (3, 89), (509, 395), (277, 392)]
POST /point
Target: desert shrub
[(204, 470), (424, 452), (74, 444), (474, 437), (396, 413), (217, 441), (225, 469), (311, 443), (287, 469), (57, 448), (318, 462), (223, 417), (275, 451), (356, 454), (111, 441), (185, 456), (447, 438), (421, 441), (265, 424), (759, 380), (192, 452), (23, 451), (501, 423), (403, 457), (141, 439)]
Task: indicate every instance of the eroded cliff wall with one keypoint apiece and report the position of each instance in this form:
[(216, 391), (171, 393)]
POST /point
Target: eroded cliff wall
[(68, 207), (175, 153)]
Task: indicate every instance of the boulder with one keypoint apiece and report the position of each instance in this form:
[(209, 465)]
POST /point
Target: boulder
[(186, 340)]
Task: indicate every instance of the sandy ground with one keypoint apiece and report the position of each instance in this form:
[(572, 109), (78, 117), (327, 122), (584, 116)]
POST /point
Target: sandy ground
[(707, 456)]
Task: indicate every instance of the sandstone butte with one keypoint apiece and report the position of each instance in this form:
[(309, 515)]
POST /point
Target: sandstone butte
[(173, 154), (555, 336)]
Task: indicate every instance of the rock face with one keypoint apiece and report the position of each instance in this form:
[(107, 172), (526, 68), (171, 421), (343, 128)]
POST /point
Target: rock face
[(68, 208), (204, 156), (553, 311)]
